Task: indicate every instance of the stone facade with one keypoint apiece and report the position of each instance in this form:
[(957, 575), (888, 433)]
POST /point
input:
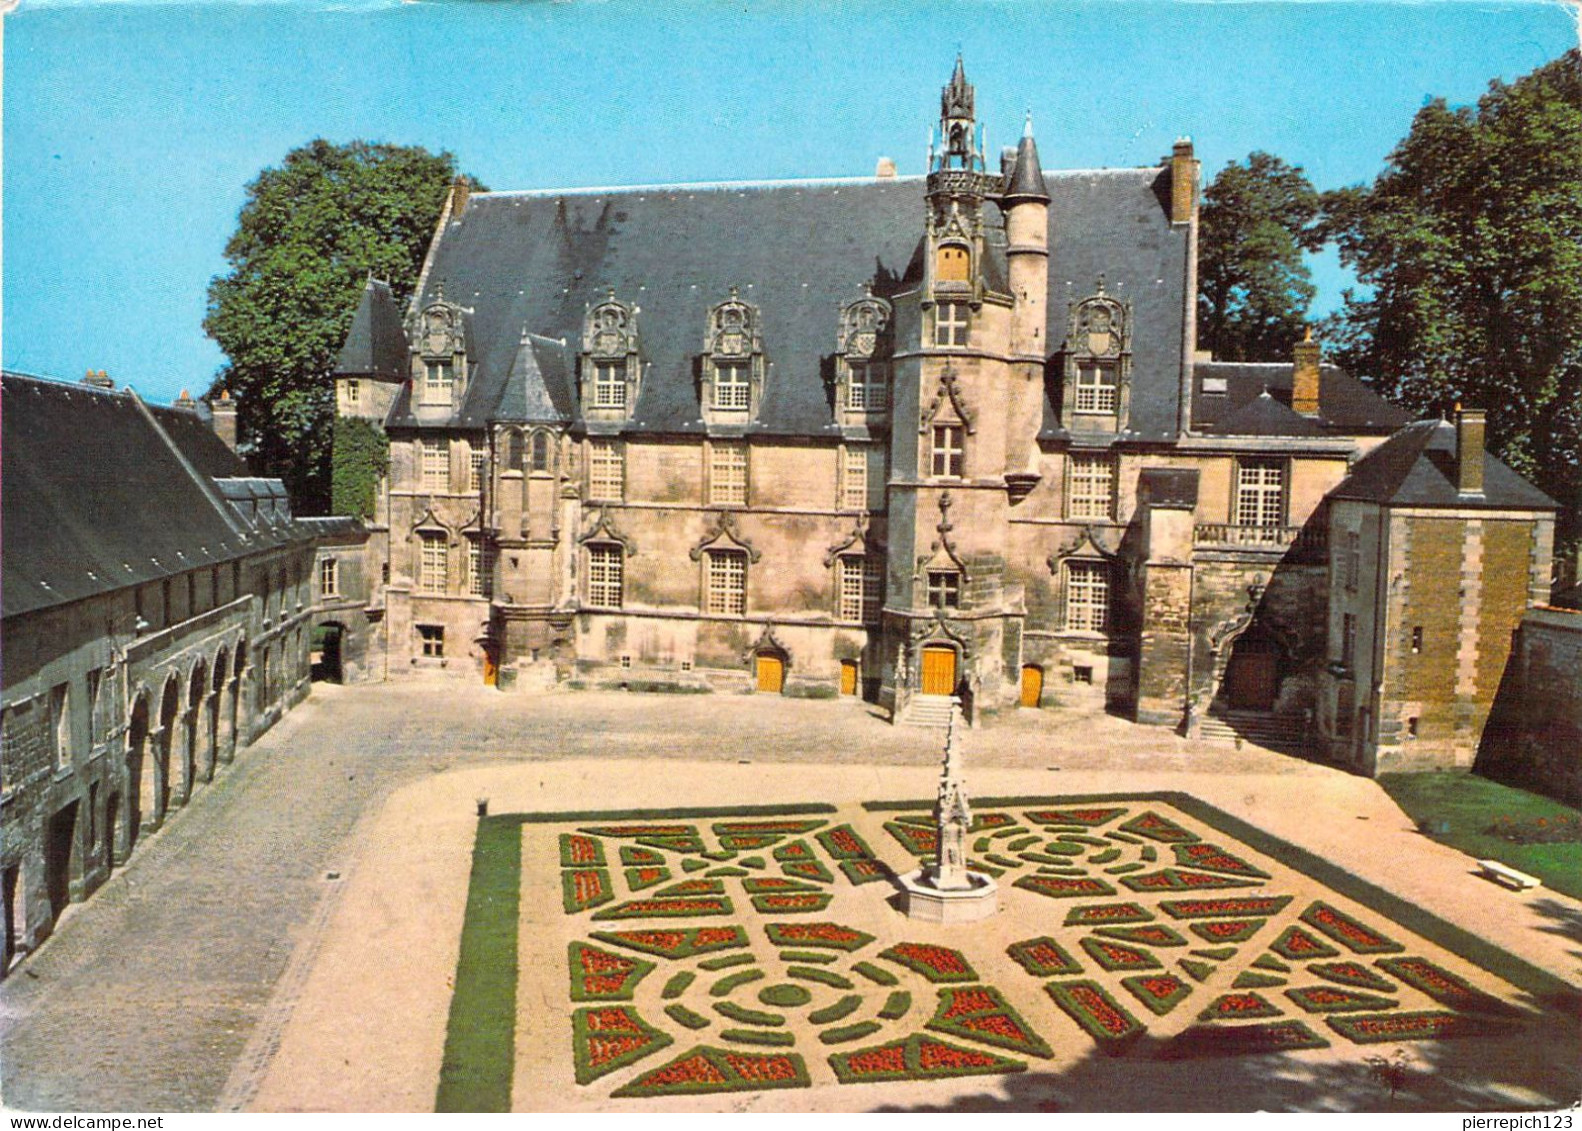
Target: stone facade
[(903, 438), (1534, 736), (122, 699)]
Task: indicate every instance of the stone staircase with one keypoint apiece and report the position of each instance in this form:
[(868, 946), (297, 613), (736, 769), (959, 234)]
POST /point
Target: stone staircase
[(927, 711), (1277, 732)]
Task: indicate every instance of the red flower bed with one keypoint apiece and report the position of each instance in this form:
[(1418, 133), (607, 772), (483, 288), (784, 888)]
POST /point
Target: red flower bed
[(782, 826), (1298, 945), (784, 903), (936, 963), (1215, 859), (1227, 930), (1237, 1006), (1064, 887), (657, 908), (1424, 1026), (580, 851), (843, 843), (1088, 817), (641, 830), (761, 1069), (1155, 827), (935, 1055), (973, 999), (1228, 905), (917, 1058), (1090, 914), (1344, 929), (679, 943), (1090, 1005), (1115, 956), (884, 1060), (1043, 957), (1443, 986), (817, 934), (689, 1070)]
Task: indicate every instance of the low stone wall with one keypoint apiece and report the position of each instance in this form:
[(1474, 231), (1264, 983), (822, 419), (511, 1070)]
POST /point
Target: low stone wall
[(1534, 733)]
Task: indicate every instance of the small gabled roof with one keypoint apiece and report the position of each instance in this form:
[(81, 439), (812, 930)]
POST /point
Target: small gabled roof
[(1417, 468), (1345, 405), (1265, 416), (538, 388), (375, 345)]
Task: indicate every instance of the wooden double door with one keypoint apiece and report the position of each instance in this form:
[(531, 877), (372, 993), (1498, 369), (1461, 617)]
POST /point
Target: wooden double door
[(939, 670), (771, 670)]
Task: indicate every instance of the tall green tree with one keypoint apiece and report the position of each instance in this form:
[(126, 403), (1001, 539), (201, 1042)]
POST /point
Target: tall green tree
[(1469, 245), (1257, 218), (309, 235)]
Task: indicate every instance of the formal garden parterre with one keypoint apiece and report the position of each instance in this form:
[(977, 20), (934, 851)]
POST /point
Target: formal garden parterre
[(731, 952)]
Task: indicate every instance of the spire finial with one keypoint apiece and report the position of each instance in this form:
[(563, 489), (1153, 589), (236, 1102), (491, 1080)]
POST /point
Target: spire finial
[(1027, 123)]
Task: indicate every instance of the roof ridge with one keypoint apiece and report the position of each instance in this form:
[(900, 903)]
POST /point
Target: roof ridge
[(770, 183)]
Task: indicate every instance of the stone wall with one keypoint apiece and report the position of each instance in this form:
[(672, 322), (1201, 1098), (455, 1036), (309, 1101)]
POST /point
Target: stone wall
[(1534, 732)]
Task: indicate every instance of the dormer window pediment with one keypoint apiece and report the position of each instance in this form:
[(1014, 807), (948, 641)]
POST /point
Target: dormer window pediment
[(1097, 364), (611, 365), (864, 345), (440, 355), (733, 368)]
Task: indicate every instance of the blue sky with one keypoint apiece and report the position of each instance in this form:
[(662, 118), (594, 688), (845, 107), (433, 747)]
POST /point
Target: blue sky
[(132, 129)]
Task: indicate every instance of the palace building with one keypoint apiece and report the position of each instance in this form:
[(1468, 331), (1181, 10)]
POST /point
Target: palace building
[(917, 438)]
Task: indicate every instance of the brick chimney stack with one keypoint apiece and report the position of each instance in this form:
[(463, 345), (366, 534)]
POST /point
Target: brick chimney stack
[(1305, 359), (460, 190), (1470, 423), (223, 411), (1183, 182), (99, 379)]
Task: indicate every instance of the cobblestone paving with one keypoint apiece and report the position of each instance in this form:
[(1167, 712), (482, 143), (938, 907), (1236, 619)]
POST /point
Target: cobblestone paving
[(148, 994)]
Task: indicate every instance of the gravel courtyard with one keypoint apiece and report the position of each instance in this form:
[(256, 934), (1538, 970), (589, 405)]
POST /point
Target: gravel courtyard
[(171, 989)]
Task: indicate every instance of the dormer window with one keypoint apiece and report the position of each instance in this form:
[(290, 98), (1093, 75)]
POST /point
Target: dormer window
[(951, 327), (732, 385), (733, 362), (1097, 360), (440, 361), (864, 346), (610, 363)]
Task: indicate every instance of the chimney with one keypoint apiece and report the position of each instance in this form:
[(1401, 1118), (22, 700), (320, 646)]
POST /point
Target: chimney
[(460, 190), (1007, 161), (99, 379), (223, 410), (185, 401), (1305, 358), (1469, 450), (1183, 181), (885, 170)]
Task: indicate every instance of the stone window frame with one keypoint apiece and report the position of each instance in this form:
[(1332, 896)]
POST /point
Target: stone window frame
[(480, 567), (604, 574), (859, 588), (432, 576), (1092, 503), (611, 359), (62, 747), (855, 469), (722, 490), (1256, 494), (1348, 641), (434, 463), (947, 449), (953, 324), (1098, 344), (431, 641), (733, 343), (725, 573), (863, 346), (602, 456), (543, 452), (439, 355), (1353, 560), (477, 469), (1089, 585), (329, 577), (943, 589)]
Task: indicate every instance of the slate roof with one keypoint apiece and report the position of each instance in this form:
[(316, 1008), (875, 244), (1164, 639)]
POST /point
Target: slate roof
[(375, 345), (102, 491), (799, 250), (1345, 405), (1417, 468), (1265, 416)]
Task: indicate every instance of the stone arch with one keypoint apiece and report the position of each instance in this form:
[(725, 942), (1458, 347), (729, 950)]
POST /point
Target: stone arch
[(164, 748), (224, 723), (114, 832), (142, 784), (200, 750), (1261, 634), (238, 671)]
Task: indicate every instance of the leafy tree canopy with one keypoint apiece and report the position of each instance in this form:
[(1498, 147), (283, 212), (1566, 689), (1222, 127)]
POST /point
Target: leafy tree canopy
[(1256, 219), (1470, 247), (309, 235)]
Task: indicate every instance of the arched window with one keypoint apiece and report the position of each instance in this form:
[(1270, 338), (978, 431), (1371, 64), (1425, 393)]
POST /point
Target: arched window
[(540, 451)]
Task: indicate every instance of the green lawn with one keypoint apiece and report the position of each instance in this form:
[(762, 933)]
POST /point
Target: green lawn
[(1471, 804), (480, 1042)]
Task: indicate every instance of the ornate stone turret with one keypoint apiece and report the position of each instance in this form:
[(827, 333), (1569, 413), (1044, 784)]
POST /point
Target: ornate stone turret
[(953, 815), (947, 892)]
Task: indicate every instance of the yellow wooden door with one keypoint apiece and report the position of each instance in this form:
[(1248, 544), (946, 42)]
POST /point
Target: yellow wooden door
[(771, 673), (491, 670), (939, 671), (848, 677), (1032, 685)]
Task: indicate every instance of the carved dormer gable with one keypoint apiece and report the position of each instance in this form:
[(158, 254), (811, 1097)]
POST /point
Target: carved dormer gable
[(604, 530), (733, 369), (1088, 544), (948, 406), (1097, 364), (859, 542), (723, 535), (864, 345), (1092, 578), (611, 365), (941, 576), (768, 642), (439, 354)]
